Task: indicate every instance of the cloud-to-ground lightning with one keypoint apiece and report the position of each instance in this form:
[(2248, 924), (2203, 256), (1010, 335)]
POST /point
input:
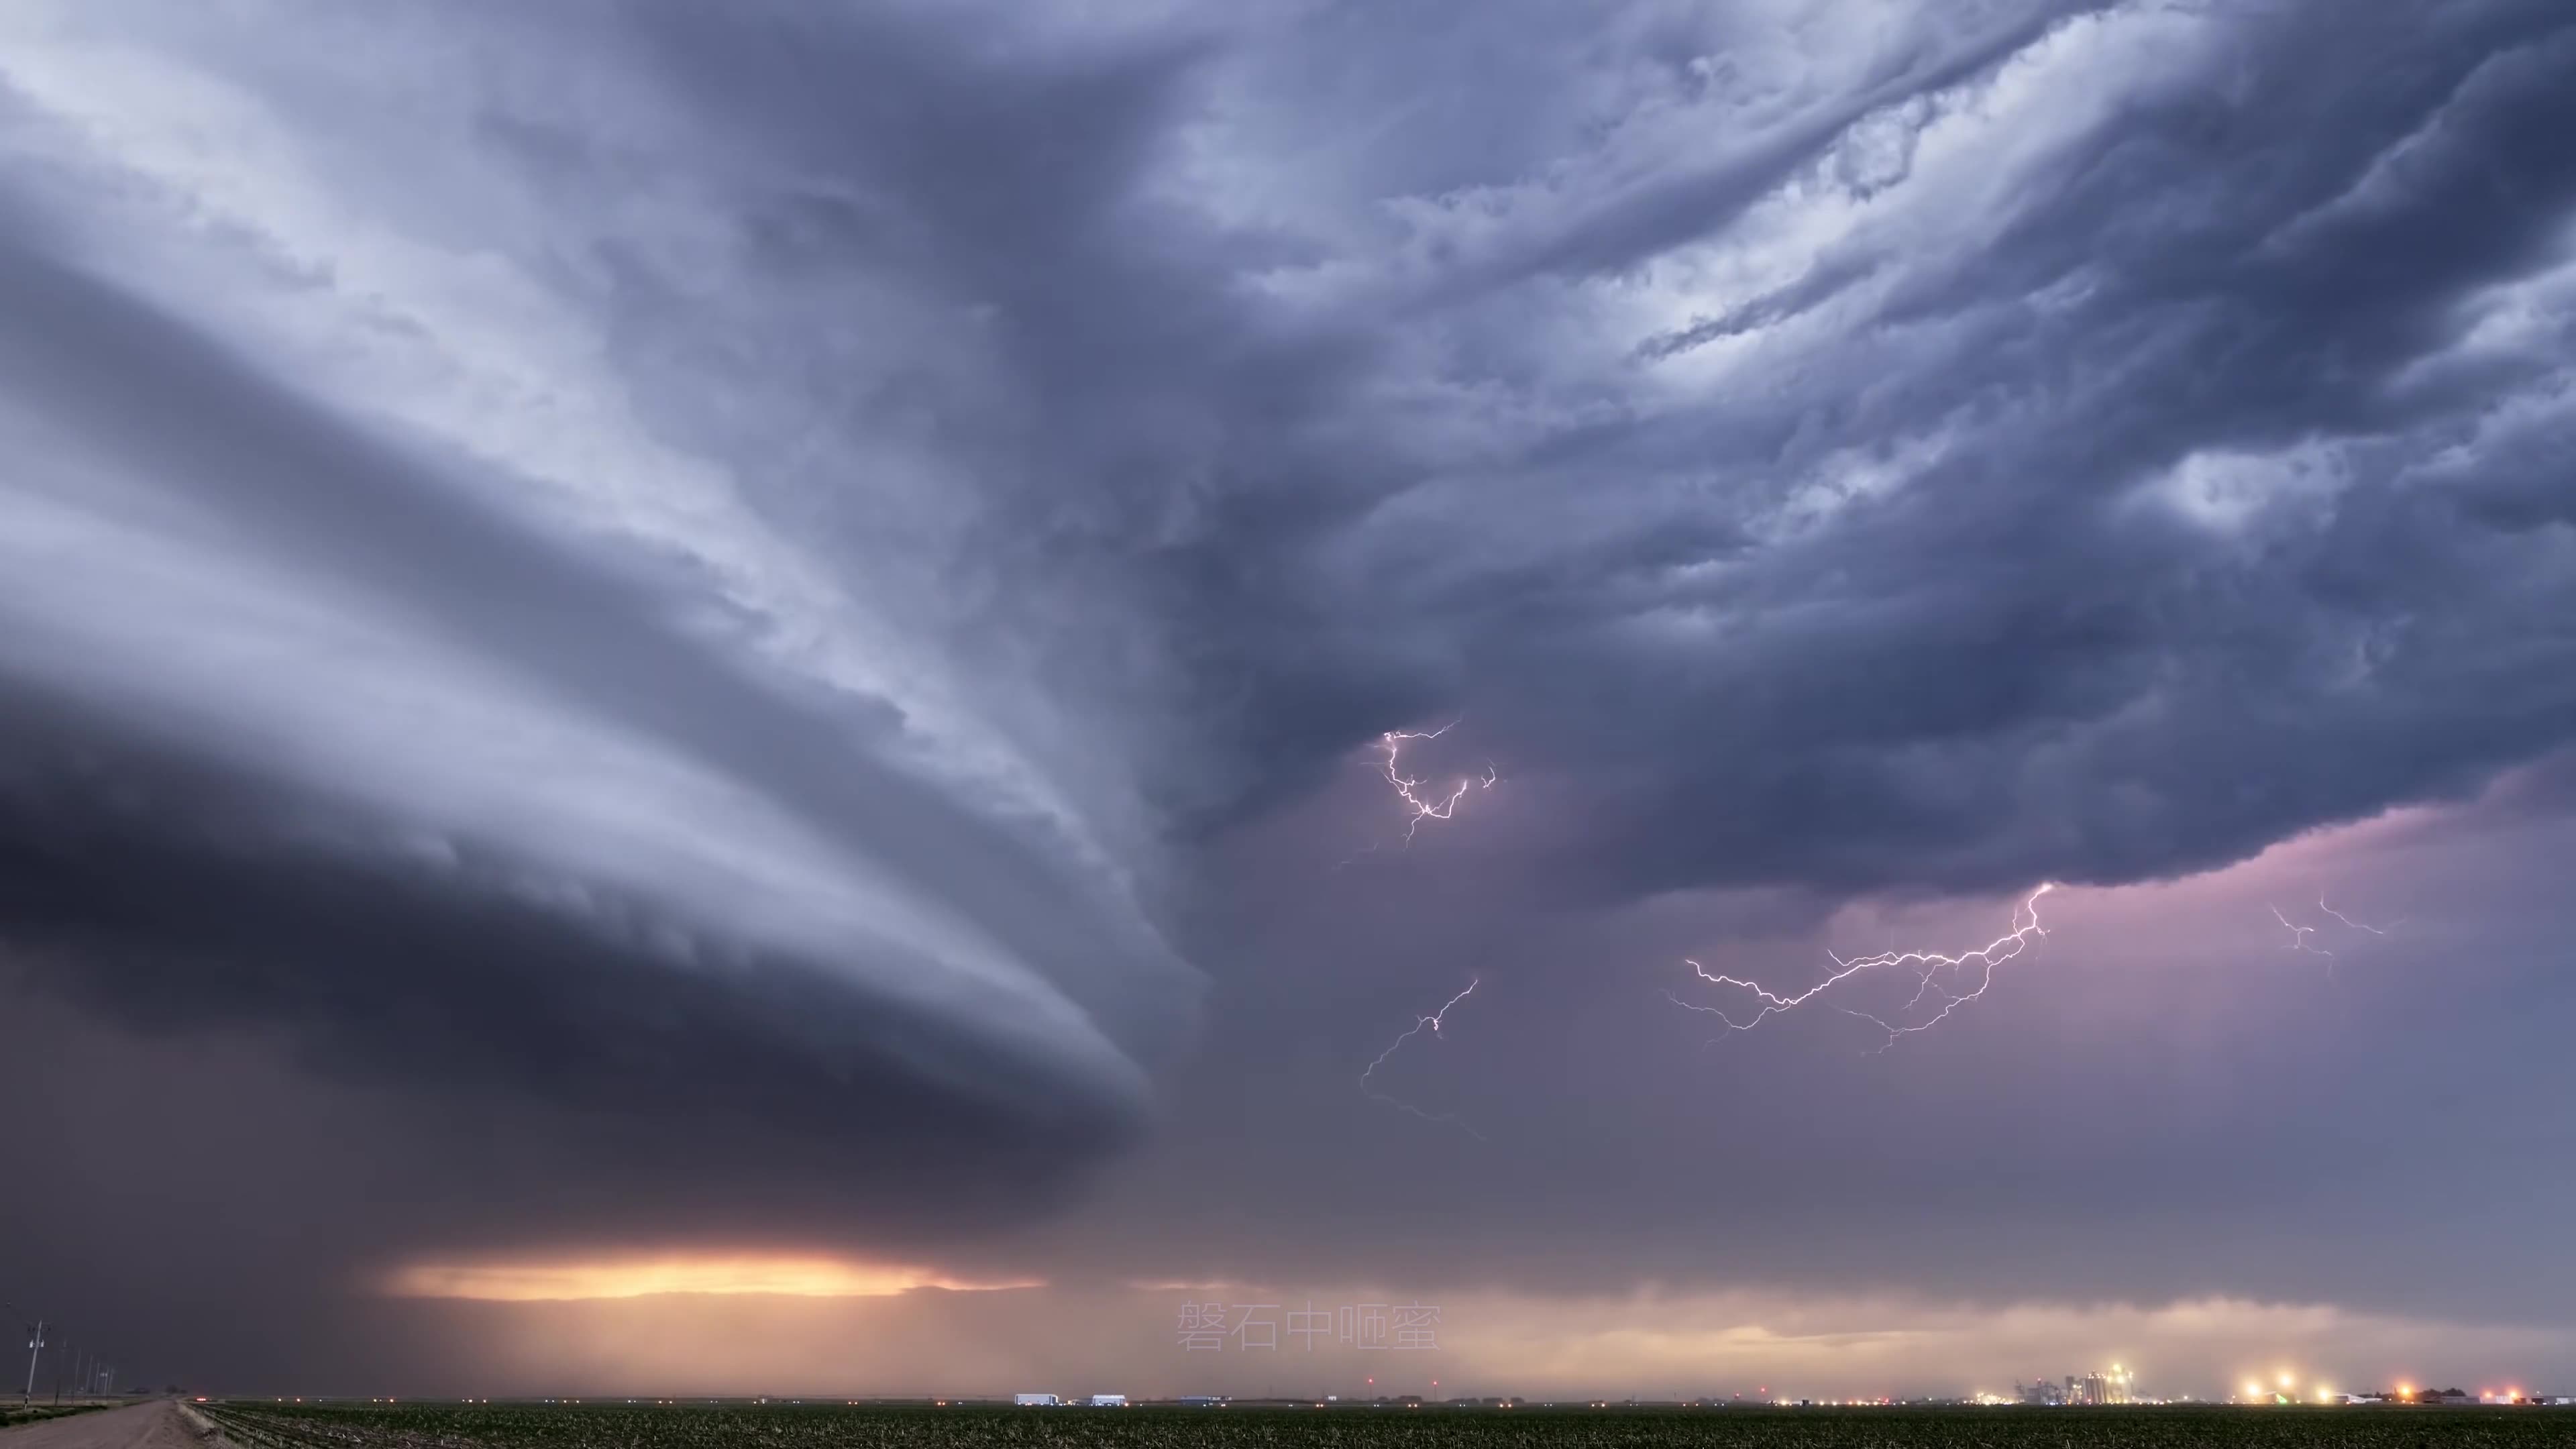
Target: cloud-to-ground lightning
[(1419, 807), (1929, 968), (1432, 1023)]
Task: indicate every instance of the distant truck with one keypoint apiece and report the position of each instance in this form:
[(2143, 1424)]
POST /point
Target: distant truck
[(1036, 1401), (1108, 1401)]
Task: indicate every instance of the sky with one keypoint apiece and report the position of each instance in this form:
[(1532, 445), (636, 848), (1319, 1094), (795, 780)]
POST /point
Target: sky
[(1812, 696)]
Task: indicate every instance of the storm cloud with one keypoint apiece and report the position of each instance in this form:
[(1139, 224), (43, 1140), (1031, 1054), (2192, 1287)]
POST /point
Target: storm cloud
[(832, 573), (329, 708)]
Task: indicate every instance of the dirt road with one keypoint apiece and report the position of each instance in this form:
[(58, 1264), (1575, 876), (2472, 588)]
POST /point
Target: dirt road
[(156, 1425)]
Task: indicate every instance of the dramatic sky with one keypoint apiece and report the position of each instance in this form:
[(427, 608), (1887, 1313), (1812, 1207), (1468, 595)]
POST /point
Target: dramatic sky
[(697, 696)]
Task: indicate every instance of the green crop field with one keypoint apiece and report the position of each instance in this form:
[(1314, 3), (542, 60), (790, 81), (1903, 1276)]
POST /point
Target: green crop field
[(780, 1426), (13, 1413)]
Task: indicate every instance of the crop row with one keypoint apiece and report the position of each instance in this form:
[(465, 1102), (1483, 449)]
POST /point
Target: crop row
[(430, 1426)]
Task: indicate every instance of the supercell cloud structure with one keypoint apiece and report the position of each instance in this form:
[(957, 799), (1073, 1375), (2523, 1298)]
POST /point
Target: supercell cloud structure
[(722, 553), (376, 664)]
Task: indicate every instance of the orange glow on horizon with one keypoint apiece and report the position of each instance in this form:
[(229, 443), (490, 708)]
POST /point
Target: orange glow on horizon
[(557, 1282)]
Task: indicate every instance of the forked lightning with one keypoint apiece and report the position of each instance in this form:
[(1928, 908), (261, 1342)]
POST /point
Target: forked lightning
[(1433, 1023), (2299, 935), (1419, 807), (1930, 968)]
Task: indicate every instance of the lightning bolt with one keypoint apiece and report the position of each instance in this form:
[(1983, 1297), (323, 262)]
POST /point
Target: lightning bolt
[(2299, 937), (1929, 968), (2340, 916), (1431, 1023), (1419, 807)]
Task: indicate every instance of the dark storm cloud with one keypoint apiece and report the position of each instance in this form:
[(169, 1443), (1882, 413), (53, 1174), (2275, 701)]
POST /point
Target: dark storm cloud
[(2200, 510), (316, 721), (2181, 533), (2184, 535), (701, 558), (175, 896), (1637, 223), (281, 474)]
